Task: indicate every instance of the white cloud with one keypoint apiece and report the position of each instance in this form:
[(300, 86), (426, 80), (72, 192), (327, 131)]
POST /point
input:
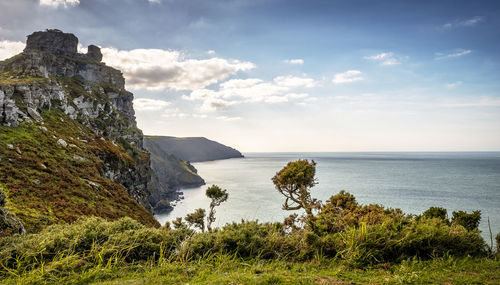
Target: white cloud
[(480, 102), (144, 104), (236, 91), (161, 69), (457, 53), (228, 119), (211, 52), (385, 58), (297, 61), (463, 23), (9, 49), (453, 84), (294, 81), (57, 3), (347, 77)]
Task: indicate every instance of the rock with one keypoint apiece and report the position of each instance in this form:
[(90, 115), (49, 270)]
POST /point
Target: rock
[(43, 166), (9, 223), (94, 52), (77, 157), (62, 143), (163, 206), (9, 146), (36, 182), (52, 41), (43, 129), (18, 150), (34, 114)]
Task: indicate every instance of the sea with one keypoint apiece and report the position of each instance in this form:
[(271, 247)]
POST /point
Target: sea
[(411, 181)]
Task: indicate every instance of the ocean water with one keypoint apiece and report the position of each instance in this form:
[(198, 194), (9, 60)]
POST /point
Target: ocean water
[(411, 181)]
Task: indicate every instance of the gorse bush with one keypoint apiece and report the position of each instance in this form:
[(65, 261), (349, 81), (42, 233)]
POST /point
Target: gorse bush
[(468, 221), (345, 230)]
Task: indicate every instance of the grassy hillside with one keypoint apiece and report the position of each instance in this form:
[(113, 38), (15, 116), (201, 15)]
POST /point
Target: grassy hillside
[(193, 149), (46, 182)]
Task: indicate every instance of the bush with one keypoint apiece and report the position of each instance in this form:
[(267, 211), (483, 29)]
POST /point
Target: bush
[(468, 221), (436, 212)]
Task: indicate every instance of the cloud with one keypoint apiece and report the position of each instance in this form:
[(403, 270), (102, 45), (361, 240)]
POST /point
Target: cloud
[(453, 84), (57, 3), (253, 90), (9, 49), (463, 23), (480, 102), (144, 104), (211, 52), (385, 58), (155, 1), (347, 77), (162, 69), (297, 61), (457, 53), (228, 119)]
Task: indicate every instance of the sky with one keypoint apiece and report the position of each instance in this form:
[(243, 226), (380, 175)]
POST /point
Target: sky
[(294, 76)]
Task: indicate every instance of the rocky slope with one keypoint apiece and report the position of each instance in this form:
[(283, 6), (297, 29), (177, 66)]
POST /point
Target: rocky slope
[(193, 149), (169, 174), (69, 144)]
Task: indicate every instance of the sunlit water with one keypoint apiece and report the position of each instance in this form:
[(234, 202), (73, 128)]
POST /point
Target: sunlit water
[(410, 181)]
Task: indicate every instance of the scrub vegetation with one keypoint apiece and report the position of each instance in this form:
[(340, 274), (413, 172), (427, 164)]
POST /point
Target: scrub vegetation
[(341, 242)]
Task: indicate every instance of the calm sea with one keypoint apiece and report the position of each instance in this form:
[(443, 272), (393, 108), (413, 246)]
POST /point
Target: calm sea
[(411, 181)]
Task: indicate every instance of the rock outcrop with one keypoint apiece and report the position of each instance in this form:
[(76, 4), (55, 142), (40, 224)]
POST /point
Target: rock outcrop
[(51, 75), (169, 175), (9, 224)]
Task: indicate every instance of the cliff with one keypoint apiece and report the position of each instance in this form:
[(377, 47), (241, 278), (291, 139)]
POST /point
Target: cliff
[(69, 143), (193, 149), (169, 174)]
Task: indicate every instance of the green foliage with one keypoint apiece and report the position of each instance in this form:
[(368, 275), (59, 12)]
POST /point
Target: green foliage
[(48, 185), (436, 212), (217, 195), (197, 219), (294, 182), (497, 239), (468, 221)]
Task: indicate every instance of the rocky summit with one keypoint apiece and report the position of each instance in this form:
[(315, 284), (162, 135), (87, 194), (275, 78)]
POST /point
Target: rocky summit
[(69, 143)]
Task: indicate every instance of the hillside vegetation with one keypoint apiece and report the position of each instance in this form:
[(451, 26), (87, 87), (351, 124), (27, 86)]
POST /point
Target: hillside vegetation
[(48, 183), (352, 244)]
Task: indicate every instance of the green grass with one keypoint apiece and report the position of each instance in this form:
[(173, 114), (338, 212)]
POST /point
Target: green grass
[(45, 184), (226, 269), (11, 78)]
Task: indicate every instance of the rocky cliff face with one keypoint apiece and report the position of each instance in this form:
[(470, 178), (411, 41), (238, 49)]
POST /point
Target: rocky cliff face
[(50, 75)]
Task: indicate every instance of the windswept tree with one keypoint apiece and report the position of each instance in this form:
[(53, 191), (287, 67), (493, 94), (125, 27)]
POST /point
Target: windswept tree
[(196, 219), (294, 182), (218, 196)]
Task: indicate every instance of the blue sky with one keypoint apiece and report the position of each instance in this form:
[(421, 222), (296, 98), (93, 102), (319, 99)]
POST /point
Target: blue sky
[(280, 75)]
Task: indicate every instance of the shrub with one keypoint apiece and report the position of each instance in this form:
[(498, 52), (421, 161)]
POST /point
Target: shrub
[(468, 221), (436, 212)]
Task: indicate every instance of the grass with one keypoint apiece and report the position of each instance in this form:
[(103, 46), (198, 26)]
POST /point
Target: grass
[(10, 78), (45, 184), (227, 269)]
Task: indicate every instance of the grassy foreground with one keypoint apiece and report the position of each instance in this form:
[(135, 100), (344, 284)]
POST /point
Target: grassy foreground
[(225, 269)]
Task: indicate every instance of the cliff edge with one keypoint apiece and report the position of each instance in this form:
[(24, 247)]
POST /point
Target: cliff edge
[(69, 143)]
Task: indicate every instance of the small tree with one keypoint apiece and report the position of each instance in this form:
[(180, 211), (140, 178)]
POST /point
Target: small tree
[(218, 196), (469, 221), (294, 182), (197, 219)]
